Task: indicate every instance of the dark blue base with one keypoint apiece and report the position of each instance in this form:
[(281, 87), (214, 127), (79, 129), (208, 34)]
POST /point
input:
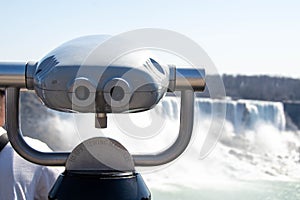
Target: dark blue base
[(107, 187)]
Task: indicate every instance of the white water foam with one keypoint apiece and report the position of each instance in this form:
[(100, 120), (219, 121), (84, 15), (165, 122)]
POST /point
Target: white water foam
[(254, 143)]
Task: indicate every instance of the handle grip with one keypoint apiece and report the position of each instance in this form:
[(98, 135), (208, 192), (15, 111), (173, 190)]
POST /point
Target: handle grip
[(13, 74), (59, 159)]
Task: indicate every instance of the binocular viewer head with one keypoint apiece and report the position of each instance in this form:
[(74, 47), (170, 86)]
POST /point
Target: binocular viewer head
[(81, 76)]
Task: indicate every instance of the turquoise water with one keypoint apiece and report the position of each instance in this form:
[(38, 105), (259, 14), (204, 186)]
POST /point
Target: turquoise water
[(231, 190)]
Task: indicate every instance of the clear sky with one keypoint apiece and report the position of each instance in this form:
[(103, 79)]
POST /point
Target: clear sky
[(241, 37)]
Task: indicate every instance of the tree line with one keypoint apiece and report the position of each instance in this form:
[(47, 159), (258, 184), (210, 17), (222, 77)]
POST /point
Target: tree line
[(258, 87)]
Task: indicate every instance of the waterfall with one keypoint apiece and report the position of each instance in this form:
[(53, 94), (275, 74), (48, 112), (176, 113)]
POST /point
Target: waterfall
[(246, 114), (243, 114)]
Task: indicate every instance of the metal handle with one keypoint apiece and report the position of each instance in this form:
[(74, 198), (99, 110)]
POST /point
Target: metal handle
[(16, 138), (12, 74), (59, 159), (183, 139), (187, 78)]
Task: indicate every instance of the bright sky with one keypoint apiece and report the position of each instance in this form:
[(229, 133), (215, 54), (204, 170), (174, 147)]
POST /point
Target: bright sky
[(241, 37)]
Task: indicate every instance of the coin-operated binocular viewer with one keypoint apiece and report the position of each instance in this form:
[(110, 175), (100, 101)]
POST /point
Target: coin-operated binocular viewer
[(74, 78)]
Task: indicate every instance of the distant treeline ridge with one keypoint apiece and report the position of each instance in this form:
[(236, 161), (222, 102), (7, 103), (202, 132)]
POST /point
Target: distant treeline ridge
[(259, 87)]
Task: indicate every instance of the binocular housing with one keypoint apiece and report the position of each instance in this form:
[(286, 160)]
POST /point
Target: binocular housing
[(74, 78)]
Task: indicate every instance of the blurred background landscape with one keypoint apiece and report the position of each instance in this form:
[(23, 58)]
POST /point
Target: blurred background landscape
[(254, 45)]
